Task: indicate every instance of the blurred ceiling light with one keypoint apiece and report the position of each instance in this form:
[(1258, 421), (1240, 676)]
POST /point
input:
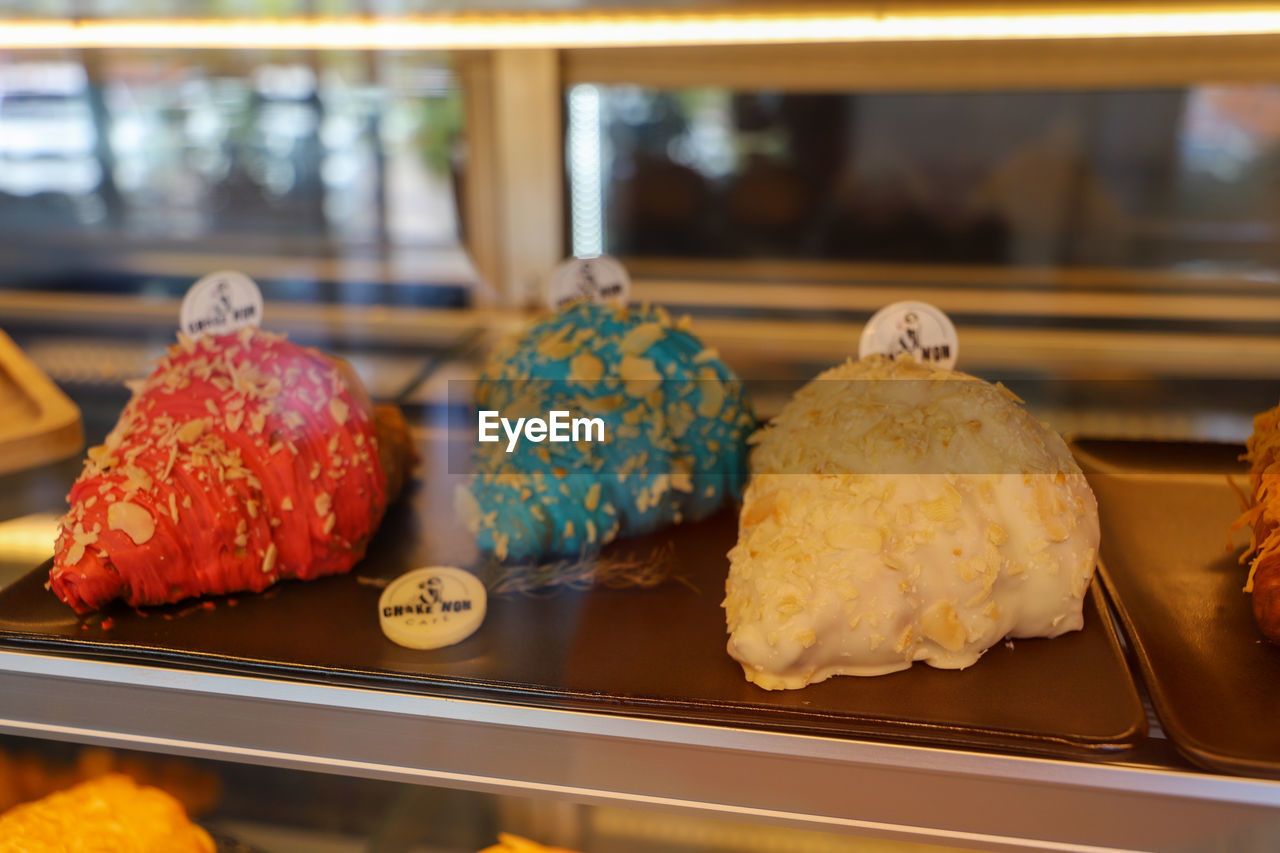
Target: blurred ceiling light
[(635, 29)]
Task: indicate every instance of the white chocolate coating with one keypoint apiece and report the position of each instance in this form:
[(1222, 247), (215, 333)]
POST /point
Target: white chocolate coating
[(888, 522)]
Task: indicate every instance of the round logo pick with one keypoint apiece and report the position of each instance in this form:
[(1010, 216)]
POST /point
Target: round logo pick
[(219, 303), (602, 278), (432, 608), (914, 328)]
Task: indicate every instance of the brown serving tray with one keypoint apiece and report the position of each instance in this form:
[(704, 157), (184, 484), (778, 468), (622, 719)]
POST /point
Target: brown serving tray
[(656, 653), (1175, 580)]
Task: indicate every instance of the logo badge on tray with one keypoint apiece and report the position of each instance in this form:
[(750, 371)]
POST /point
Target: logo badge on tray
[(432, 608)]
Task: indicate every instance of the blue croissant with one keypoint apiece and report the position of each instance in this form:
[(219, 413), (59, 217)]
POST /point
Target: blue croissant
[(676, 421)]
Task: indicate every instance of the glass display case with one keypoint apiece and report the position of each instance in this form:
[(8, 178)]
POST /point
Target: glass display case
[(1088, 191)]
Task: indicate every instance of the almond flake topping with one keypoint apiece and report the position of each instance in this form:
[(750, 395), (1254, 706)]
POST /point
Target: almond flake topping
[(138, 479), (190, 431), (168, 465), (79, 540), (133, 520)]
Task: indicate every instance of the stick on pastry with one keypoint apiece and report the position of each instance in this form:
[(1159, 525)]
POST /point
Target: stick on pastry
[(1263, 519), (242, 460), (900, 513), (108, 813)]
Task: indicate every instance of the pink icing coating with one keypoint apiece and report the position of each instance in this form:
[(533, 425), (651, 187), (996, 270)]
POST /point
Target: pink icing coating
[(252, 458)]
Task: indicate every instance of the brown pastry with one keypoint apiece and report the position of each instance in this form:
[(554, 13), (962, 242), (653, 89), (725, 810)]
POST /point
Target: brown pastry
[(1263, 519), (27, 776), (109, 813), (1266, 597)]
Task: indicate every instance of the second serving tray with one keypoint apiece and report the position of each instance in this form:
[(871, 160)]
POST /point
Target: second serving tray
[(1176, 580)]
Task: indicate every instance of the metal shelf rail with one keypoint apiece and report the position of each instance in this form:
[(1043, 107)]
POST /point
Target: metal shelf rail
[(969, 799)]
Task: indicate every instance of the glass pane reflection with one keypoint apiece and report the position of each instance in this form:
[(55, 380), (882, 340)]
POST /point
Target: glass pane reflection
[(288, 154), (1145, 178)]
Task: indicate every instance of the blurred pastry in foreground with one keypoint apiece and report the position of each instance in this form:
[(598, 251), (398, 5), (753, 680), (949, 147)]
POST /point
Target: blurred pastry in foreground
[(897, 513), (26, 776), (674, 422), (508, 843), (1263, 519), (242, 460), (110, 813)]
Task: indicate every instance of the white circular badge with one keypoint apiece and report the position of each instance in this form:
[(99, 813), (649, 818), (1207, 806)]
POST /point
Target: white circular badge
[(219, 303), (601, 278), (432, 608), (916, 328)]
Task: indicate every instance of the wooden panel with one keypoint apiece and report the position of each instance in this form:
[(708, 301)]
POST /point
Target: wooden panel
[(869, 297), (447, 266), (514, 184), (38, 424), (480, 213), (405, 324), (1116, 63), (717, 273), (528, 140), (763, 347)]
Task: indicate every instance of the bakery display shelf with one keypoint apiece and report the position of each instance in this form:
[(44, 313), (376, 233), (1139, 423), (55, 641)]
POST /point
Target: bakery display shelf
[(965, 797), (1175, 580), (195, 680)]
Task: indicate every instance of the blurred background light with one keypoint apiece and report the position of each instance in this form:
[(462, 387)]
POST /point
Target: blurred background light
[(631, 28)]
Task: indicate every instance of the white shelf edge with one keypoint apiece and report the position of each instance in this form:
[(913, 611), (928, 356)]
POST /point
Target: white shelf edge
[(600, 757)]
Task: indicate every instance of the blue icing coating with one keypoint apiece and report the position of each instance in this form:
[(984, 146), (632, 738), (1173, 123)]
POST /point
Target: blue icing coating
[(676, 423)]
